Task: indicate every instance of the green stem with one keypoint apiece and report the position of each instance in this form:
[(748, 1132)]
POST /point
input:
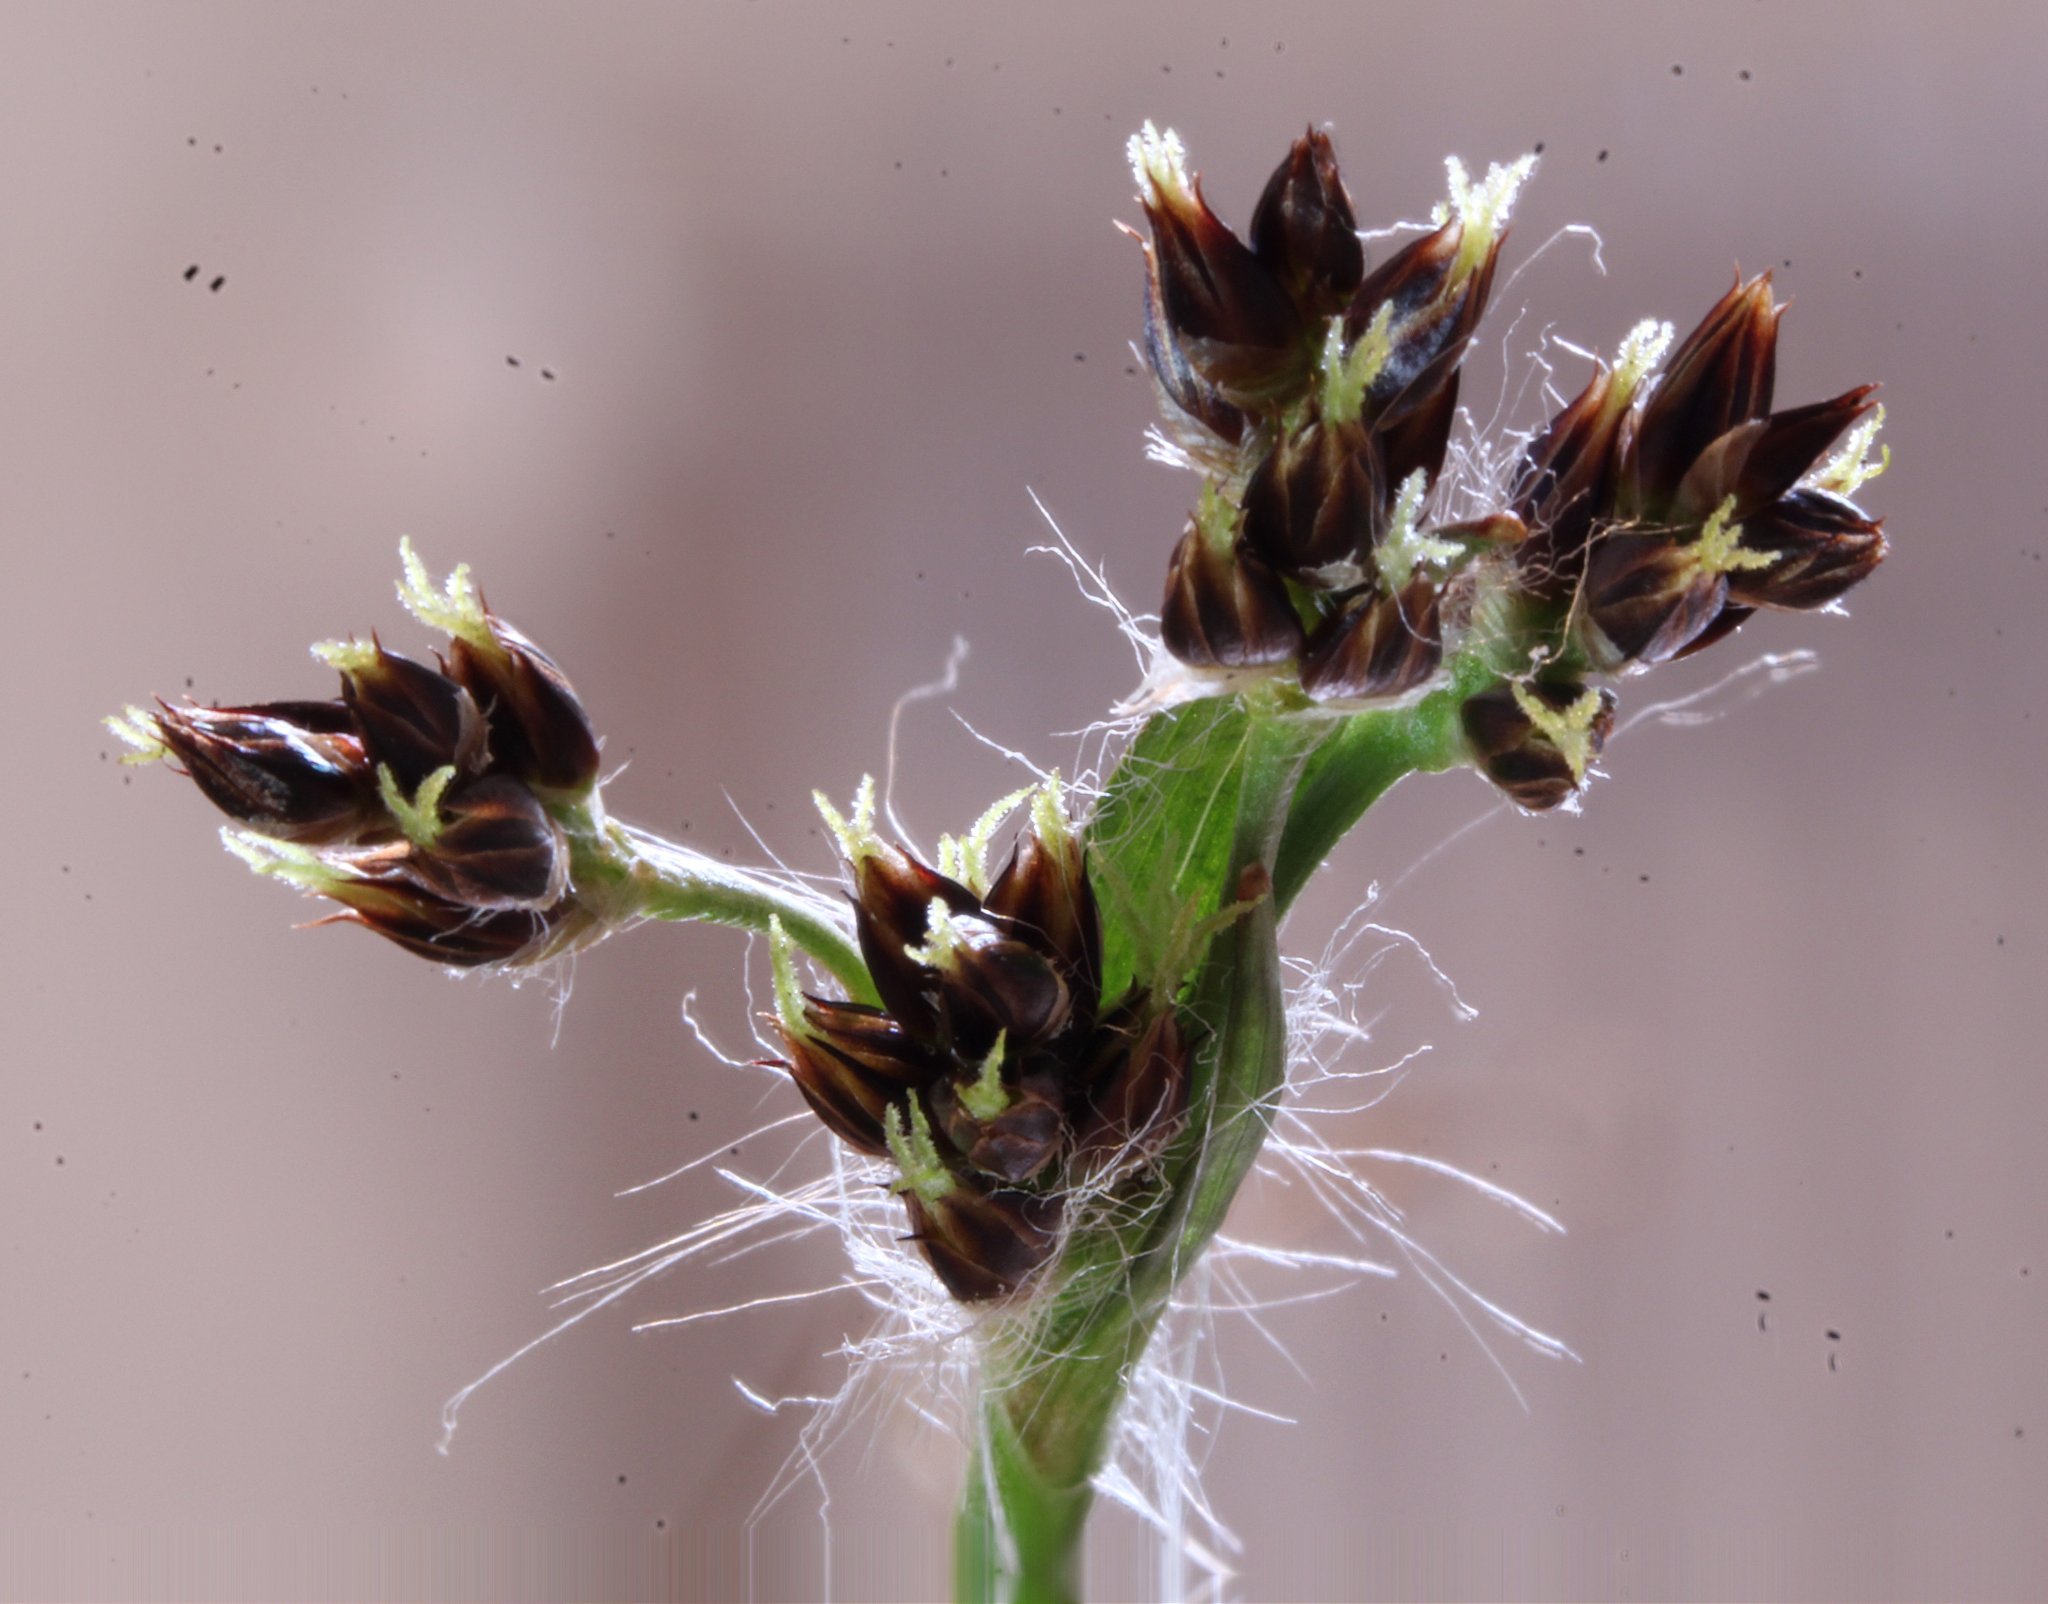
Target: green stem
[(1053, 1381), (1358, 763), (648, 877)]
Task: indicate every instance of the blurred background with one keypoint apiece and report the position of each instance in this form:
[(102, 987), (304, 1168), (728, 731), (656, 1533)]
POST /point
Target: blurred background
[(729, 341)]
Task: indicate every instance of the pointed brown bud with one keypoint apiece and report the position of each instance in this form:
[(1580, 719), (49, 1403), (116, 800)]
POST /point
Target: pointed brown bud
[(1818, 545), (1566, 481), (1228, 313), (538, 729), (1759, 461), (496, 847), (1044, 896), (991, 984), (1316, 500), (1646, 597), (1405, 283), (1722, 374), (893, 895), (1536, 741), (293, 770), (1379, 645), (870, 1042), (1139, 1088), (1304, 231), (413, 719), (441, 931), (984, 1244), (1425, 302), (1178, 382), (853, 1064), (1225, 608), (1417, 438)]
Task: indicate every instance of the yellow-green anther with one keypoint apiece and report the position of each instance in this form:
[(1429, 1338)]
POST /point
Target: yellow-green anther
[(986, 1096), (1848, 470), (973, 870), (418, 817), (1719, 548), (789, 1001), (1569, 729), (1483, 208), (454, 609), (1406, 547), (917, 1156), (1216, 516), (856, 837), (1348, 374), (137, 726)]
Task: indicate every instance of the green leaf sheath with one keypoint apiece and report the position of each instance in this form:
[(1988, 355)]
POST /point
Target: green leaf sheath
[(1159, 840), (651, 878)]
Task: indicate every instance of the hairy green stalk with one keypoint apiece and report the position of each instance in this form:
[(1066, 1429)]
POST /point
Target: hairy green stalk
[(644, 875)]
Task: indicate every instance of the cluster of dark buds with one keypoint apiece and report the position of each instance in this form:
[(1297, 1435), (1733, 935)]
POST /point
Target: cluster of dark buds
[(427, 801), (1317, 397), (993, 1074)]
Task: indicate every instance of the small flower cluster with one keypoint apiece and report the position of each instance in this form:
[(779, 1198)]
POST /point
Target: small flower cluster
[(1317, 398), (992, 1074), (424, 800)]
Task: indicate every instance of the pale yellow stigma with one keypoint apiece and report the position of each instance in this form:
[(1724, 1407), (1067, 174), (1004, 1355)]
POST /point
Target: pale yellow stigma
[(1642, 349), (856, 836), (138, 727), (1719, 549), (418, 816), (972, 849), (1159, 163), (1348, 374), (455, 608), (986, 1096), (1483, 208), (345, 656), (916, 1154), (1406, 546), (1849, 469), (1570, 729)]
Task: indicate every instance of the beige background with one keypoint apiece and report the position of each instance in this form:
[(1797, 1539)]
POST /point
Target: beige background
[(824, 290)]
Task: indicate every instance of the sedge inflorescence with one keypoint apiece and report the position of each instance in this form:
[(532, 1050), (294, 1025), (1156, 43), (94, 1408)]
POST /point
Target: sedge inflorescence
[(994, 1073), (428, 800), (1648, 519), (1062, 1094)]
